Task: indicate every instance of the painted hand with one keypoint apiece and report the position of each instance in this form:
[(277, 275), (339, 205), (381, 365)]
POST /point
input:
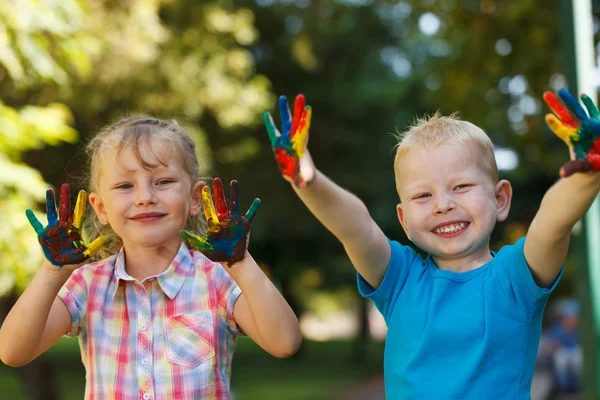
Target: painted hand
[(289, 146), (60, 239), (227, 236), (578, 130)]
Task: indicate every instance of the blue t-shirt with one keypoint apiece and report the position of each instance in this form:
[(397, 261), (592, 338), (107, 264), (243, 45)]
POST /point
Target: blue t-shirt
[(470, 335)]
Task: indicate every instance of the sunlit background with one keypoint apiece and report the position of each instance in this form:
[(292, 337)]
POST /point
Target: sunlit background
[(368, 68)]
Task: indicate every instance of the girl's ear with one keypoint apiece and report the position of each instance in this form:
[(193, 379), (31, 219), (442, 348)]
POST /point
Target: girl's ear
[(503, 199), (196, 202), (99, 208)]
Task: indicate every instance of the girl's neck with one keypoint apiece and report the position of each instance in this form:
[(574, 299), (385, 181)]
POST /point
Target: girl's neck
[(142, 262)]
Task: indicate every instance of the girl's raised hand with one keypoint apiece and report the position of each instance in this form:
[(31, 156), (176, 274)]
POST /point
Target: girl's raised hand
[(227, 236), (60, 239), (580, 131), (289, 145)]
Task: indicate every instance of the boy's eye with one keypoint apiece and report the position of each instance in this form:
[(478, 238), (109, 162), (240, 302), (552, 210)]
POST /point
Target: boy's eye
[(463, 186), (422, 196), (164, 181)]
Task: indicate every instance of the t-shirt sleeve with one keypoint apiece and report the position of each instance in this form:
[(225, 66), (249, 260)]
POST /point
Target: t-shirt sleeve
[(227, 294), (74, 295), (401, 259), (518, 284)]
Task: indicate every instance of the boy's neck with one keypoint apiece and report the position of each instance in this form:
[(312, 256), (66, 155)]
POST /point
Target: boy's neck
[(142, 262), (465, 263)]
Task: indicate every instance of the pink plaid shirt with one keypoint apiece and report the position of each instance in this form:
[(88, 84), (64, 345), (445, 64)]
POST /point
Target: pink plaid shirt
[(171, 336)]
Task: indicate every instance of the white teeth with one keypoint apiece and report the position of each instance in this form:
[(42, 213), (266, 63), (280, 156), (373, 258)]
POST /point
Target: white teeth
[(451, 228)]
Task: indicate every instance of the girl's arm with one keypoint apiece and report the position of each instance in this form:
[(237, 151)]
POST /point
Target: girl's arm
[(37, 320), (262, 312)]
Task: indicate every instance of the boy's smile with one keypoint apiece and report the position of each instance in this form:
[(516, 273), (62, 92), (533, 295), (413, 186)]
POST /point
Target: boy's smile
[(450, 204)]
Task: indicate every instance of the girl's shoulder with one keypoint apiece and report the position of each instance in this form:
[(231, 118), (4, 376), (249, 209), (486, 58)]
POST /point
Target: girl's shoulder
[(99, 267)]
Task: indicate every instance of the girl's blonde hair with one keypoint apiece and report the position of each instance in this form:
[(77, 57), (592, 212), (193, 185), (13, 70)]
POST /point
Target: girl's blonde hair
[(428, 132), (135, 132)]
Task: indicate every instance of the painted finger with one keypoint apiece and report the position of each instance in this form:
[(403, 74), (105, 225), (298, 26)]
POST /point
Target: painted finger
[(35, 223), (196, 241), (572, 104), (65, 203), (301, 139), (252, 210), (298, 112), (591, 107), (209, 210), (271, 130), (234, 195), (560, 110), (97, 245), (220, 201), (80, 207), (284, 112), (51, 207), (559, 129)]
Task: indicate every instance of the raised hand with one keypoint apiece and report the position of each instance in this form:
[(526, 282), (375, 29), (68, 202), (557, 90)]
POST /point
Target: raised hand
[(289, 145), (578, 130), (60, 239), (227, 236)]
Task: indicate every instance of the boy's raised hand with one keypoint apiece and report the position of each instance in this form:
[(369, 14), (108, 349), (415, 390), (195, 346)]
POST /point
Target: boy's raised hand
[(60, 239), (289, 145), (227, 236), (578, 130)]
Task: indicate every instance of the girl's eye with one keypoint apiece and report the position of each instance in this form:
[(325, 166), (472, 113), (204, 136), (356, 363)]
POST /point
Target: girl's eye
[(124, 186)]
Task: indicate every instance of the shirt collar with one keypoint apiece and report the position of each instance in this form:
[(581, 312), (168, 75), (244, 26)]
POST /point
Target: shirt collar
[(170, 281)]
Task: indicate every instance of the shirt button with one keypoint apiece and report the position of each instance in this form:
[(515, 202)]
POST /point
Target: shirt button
[(145, 361), (144, 327), (146, 396)]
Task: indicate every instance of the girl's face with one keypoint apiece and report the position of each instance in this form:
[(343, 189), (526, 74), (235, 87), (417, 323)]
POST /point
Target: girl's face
[(146, 207)]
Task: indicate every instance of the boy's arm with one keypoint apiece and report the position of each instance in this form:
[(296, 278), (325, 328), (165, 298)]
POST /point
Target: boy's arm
[(568, 199), (548, 237), (338, 210), (347, 217)]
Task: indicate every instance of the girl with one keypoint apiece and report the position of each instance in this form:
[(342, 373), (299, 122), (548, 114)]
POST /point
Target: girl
[(155, 319)]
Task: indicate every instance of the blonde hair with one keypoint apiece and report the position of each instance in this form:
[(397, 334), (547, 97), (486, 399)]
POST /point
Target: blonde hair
[(428, 132), (135, 132)]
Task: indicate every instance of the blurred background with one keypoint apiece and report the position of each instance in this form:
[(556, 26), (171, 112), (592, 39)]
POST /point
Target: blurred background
[(367, 67)]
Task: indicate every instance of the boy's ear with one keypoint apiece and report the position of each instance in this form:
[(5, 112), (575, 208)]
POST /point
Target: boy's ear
[(402, 219), (503, 199), (99, 208), (196, 203)]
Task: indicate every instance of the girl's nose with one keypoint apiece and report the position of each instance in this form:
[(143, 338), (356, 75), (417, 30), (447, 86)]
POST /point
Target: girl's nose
[(145, 196)]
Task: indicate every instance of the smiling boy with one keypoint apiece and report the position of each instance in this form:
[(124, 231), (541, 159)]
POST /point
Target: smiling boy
[(464, 322)]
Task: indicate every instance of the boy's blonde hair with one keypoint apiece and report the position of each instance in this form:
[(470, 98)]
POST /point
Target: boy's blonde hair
[(135, 133), (428, 132)]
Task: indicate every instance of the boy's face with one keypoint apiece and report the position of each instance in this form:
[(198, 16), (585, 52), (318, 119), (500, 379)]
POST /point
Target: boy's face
[(449, 202)]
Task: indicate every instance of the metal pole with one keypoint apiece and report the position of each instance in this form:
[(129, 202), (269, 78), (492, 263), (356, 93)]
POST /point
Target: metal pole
[(578, 48)]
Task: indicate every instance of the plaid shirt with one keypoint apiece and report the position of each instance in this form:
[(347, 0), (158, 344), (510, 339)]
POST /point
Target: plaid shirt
[(171, 336)]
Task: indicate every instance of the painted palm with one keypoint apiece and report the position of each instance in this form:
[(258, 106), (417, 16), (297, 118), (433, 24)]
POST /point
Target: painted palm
[(289, 145), (580, 131), (227, 235), (61, 239)]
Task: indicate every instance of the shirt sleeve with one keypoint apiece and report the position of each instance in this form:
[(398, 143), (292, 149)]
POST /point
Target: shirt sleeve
[(401, 259), (74, 294), (227, 294), (518, 284)]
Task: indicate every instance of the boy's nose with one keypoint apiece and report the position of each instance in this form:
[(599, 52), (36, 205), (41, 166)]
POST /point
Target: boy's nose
[(444, 205)]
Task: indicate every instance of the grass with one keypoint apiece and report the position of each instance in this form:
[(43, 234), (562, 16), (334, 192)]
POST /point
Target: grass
[(321, 371)]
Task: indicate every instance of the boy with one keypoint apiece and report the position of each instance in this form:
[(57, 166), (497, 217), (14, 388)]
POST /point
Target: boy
[(465, 322)]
